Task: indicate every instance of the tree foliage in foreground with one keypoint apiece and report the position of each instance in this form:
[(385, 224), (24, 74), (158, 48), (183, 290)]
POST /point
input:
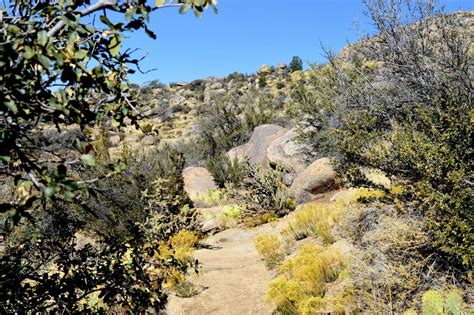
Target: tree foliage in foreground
[(62, 70)]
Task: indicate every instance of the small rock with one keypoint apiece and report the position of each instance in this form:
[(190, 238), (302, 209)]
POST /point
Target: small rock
[(131, 139), (148, 140), (114, 140)]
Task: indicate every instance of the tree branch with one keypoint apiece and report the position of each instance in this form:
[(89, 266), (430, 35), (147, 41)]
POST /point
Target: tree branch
[(102, 4)]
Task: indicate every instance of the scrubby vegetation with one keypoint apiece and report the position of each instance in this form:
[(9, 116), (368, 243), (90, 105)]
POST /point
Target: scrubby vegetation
[(93, 207), (380, 105)]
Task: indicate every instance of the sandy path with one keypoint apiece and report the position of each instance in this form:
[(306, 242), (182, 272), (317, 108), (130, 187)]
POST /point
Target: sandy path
[(234, 276)]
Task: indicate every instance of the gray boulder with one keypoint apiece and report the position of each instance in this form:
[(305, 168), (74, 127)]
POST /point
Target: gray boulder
[(317, 178), (262, 137), (286, 153)]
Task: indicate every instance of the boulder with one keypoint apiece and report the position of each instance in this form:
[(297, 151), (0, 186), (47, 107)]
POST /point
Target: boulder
[(318, 177), (198, 181), (148, 140), (239, 153), (286, 153), (265, 69), (210, 94), (262, 137)]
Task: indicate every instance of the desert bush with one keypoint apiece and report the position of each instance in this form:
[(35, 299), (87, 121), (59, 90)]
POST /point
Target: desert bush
[(213, 197), (300, 286), (262, 191), (186, 289), (262, 80), (400, 103), (437, 302), (296, 64), (236, 76), (271, 248), (314, 220), (224, 170)]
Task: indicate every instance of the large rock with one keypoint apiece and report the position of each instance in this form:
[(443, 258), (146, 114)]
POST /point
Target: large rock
[(286, 153), (318, 177), (238, 153), (198, 182), (262, 137)]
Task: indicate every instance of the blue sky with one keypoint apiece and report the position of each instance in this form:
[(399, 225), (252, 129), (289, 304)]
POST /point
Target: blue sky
[(248, 33)]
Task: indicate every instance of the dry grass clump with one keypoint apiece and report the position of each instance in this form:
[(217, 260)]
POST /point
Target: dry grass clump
[(301, 285), (317, 219), (271, 248), (314, 220), (390, 271)]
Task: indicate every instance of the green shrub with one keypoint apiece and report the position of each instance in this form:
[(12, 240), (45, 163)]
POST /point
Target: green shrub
[(433, 303), (296, 64), (224, 170), (382, 108), (262, 191)]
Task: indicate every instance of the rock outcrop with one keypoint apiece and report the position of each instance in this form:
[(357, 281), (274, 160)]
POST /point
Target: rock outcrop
[(286, 153), (255, 151), (198, 182), (318, 177)]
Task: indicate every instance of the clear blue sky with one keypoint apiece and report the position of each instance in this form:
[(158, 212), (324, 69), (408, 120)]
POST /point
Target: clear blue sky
[(248, 33)]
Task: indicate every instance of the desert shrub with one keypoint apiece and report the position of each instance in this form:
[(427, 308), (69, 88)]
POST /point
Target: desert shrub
[(224, 170), (236, 76), (186, 289), (280, 85), (314, 220), (400, 103), (271, 248), (262, 80), (300, 286), (150, 184), (229, 216), (262, 191), (213, 197), (296, 64), (317, 219)]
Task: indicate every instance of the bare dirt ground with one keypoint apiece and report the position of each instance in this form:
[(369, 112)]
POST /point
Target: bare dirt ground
[(233, 276)]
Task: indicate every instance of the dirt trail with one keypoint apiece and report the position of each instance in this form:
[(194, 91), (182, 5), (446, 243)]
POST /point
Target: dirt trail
[(233, 276)]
